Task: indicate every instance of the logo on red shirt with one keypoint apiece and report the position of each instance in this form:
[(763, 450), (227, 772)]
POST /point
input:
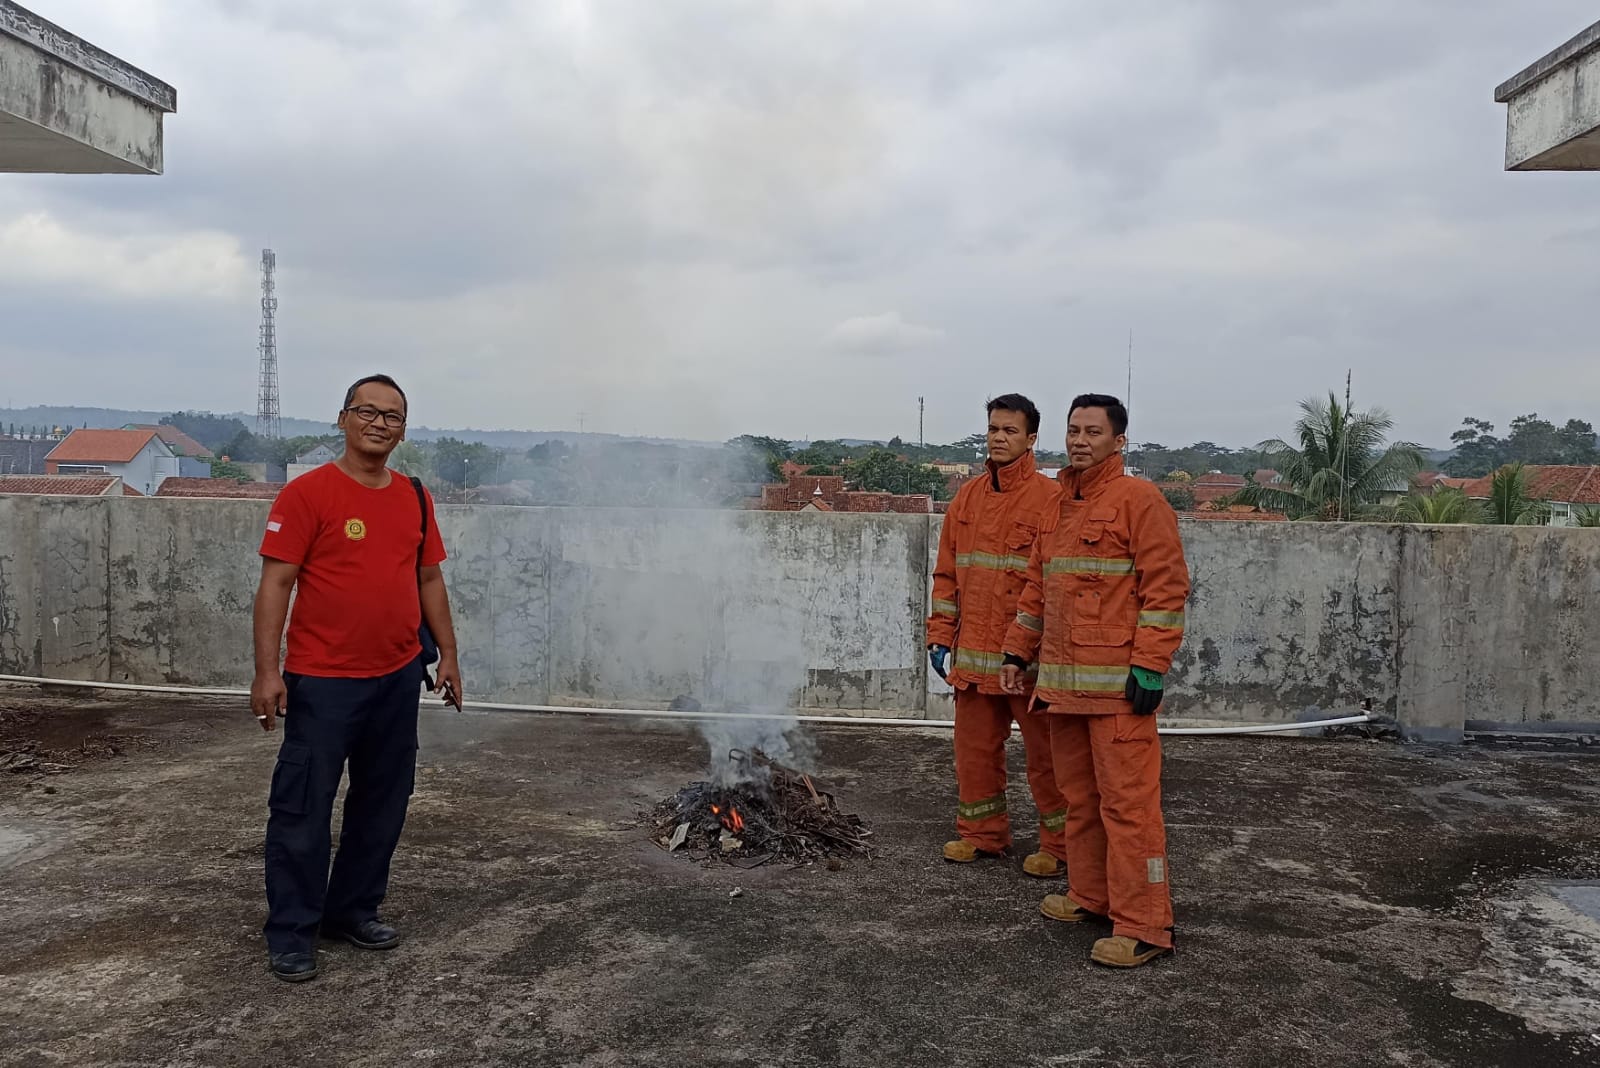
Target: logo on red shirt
[(355, 529)]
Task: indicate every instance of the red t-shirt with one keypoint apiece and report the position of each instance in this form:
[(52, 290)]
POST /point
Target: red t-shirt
[(356, 609)]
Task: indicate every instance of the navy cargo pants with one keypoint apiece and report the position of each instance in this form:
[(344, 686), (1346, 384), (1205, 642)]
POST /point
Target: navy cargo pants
[(372, 724)]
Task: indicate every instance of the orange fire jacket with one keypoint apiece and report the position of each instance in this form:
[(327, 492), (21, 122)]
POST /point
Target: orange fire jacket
[(1106, 586), (988, 536)]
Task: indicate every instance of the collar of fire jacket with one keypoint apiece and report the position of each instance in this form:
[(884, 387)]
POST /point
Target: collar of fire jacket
[(1013, 475), (1082, 485)]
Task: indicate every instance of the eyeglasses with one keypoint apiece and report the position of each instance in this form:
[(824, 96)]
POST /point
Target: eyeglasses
[(368, 414)]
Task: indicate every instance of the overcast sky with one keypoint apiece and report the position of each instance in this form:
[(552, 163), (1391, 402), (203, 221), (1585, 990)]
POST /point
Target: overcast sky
[(711, 217)]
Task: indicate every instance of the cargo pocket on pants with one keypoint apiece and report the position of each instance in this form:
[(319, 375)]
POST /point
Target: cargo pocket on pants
[(291, 780)]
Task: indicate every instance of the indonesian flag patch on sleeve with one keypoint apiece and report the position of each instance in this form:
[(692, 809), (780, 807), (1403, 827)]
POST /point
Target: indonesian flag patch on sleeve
[(274, 523)]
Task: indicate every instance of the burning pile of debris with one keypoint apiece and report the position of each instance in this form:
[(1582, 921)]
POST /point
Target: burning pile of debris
[(766, 811)]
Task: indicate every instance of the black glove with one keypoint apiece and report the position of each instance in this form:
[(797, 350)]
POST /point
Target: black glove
[(1144, 690)]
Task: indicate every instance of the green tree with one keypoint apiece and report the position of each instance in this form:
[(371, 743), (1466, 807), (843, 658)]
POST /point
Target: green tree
[(1477, 450), (229, 470), (1533, 441), (1343, 466), (212, 431), (761, 457), (1577, 443), (1180, 497), (881, 471), (823, 453), (409, 459), (461, 464), (1586, 517), (1445, 504), (1510, 503)]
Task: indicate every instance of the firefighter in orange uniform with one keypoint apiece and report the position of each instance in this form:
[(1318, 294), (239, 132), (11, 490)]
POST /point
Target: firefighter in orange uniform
[(1100, 619), (984, 548)]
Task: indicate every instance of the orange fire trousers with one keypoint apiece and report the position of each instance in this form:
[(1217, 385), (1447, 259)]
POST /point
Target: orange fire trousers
[(983, 723), (1109, 769)]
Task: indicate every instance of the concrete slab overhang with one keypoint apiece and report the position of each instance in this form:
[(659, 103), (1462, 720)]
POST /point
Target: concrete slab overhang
[(67, 107), (1553, 109)]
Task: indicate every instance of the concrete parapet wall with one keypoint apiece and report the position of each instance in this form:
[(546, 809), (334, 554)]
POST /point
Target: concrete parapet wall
[(1437, 625)]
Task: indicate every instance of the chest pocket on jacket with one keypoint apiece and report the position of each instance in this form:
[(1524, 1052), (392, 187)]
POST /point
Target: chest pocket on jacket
[(1100, 534), (1019, 546)]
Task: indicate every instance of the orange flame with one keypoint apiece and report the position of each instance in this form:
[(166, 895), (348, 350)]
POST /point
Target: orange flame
[(732, 820)]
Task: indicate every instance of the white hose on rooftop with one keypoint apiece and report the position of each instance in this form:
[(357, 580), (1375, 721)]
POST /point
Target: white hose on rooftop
[(659, 713)]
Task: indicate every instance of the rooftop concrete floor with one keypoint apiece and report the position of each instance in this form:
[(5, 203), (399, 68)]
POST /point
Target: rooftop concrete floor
[(1338, 903)]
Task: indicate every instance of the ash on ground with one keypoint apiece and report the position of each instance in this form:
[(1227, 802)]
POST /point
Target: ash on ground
[(772, 812)]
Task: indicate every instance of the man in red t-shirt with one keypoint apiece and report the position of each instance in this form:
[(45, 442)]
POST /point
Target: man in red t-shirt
[(348, 540)]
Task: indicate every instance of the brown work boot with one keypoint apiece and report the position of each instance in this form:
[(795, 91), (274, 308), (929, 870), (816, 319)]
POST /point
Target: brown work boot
[(1063, 908), (1120, 951), (962, 851), (1043, 865)]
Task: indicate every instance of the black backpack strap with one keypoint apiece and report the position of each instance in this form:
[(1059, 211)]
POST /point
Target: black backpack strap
[(422, 506), (430, 648)]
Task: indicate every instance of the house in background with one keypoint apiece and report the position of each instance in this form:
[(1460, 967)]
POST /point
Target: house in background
[(194, 459), (139, 457), (1566, 488), (321, 454), (24, 456)]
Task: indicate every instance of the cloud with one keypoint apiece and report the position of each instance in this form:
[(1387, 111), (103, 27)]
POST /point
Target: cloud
[(37, 249), (881, 334), (640, 210)]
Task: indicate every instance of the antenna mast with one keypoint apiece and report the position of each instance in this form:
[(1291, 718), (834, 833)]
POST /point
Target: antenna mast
[(269, 423)]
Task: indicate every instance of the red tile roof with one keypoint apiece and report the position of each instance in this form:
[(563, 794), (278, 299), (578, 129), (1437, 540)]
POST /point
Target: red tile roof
[(64, 485), (1567, 484), (100, 446), (1217, 478), (176, 440), (218, 487)]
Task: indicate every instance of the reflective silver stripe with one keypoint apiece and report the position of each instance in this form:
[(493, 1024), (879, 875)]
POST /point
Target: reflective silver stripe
[(1081, 677), (1033, 623), (991, 561), (979, 661), (1088, 565), (945, 608), (1161, 619)]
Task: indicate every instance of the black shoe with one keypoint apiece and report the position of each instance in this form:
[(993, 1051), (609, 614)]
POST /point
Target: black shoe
[(368, 934), (293, 967)]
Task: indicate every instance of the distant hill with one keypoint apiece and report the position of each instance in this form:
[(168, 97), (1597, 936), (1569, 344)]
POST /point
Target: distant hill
[(111, 418)]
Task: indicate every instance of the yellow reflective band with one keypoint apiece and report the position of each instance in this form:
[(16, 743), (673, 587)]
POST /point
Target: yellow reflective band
[(945, 608), (1033, 623), (1080, 677), (1161, 619), (979, 661), (992, 562), (978, 810), (1053, 821), (1089, 565)]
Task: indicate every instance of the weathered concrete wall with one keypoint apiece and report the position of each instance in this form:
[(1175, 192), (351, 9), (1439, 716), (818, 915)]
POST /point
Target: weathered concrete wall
[(634, 607), (1283, 616), (1553, 109), (69, 107), (1500, 625)]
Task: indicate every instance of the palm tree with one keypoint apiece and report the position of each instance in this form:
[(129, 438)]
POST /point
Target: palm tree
[(1586, 517), (1509, 503), (1342, 468), (1445, 504)]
